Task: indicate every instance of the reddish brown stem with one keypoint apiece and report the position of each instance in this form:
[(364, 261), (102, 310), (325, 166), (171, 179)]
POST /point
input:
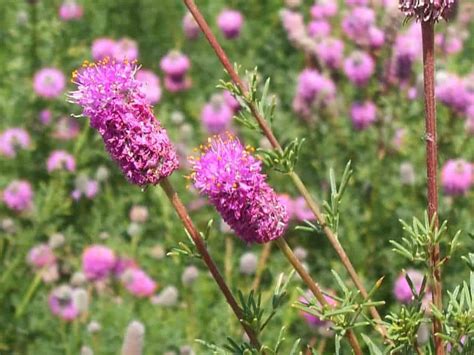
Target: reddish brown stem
[(427, 30), (313, 287), (193, 9), (201, 248)]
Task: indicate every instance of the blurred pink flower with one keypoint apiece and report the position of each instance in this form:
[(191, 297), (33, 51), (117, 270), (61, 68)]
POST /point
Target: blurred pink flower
[(61, 160), (457, 176), (98, 262), (190, 26), (151, 85), (330, 51), (319, 28), (311, 319), (216, 115), (126, 49), (138, 214), (177, 85), (401, 288), (323, 9), (49, 83), (301, 210), (232, 102), (41, 255), (230, 23), (138, 283), (45, 117), (61, 303), (359, 68), (67, 128), (12, 140), (287, 202), (363, 114), (175, 64), (18, 195), (102, 48), (70, 10)]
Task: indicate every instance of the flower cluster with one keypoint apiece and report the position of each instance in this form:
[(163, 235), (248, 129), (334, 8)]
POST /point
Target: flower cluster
[(113, 98), (231, 178), (427, 10), (175, 65)]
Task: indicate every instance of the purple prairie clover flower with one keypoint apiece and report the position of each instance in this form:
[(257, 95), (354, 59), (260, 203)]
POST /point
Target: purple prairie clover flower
[(376, 37), (427, 10), (293, 23), (175, 65), (323, 9), (113, 98), (103, 48), (40, 256), (319, 28), (62, 303), (457, 176), (401, 288), (151, 85), (60, 160), (12, 140), (301, 210), (122, 265), (230, 22), (18, 195), (67, 128), (98, 262), (359, 67), (330, 51), (216, 115), (311, 319), (288, 203), (126, 49), (314, 86), (357, 23), (231, 101), (363, 114), (407, 50), (70, 10), (190, 27), (177, 85), (49, 83), (450, 43), (231, 177), (451, 91), (138, 283), (45, 117)]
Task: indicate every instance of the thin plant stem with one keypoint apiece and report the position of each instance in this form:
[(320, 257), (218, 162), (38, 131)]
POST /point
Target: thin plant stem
[(229, 251), (313, 287), (267, 131), (206, 257), (427, 30), (29, 294), (261, 265)]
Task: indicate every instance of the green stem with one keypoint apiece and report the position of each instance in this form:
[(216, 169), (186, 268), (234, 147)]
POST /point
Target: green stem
[(29, 294)]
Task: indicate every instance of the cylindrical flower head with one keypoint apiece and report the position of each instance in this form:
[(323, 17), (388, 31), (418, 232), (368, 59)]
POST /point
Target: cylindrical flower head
[(427, 10), (113, 98), (49, 83), (138, 283), (217, 115), (98, 262), (134, 339), (231, 178)]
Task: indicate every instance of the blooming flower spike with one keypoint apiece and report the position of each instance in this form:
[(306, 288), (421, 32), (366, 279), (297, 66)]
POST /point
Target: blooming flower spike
[(427, 10), (118, 109), (231, 178)]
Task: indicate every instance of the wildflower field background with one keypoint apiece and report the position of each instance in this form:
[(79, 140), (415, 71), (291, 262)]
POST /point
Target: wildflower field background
[(83, 252)]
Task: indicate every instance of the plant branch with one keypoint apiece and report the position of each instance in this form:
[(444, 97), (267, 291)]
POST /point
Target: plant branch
[(201, 248), (193, 9), (313, 286)]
